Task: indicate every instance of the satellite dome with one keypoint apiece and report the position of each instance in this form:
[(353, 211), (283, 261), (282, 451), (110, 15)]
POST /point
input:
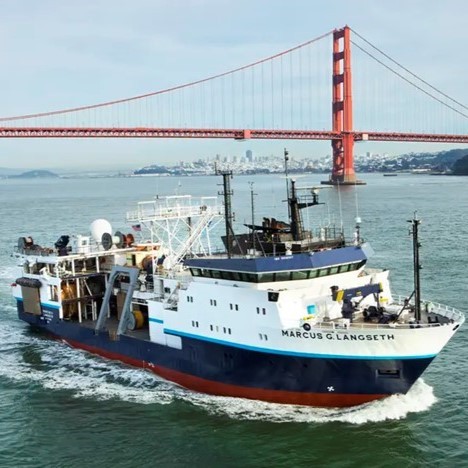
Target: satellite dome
[(98, 227)]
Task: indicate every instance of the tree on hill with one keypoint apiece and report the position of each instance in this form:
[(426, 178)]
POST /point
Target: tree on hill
[(461, 166)]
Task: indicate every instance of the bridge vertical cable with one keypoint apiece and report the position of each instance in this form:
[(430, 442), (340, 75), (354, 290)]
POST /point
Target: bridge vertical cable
[(252, 96), (389, 97)]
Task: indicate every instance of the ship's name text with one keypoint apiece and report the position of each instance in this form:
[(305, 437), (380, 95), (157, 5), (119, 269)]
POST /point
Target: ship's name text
[(336, 336)]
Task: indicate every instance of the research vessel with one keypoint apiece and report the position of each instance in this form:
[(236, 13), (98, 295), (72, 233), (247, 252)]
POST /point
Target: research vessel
[(284, 313)]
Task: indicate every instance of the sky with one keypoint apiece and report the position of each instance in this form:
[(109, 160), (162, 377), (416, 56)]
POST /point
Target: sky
[(57, 54)]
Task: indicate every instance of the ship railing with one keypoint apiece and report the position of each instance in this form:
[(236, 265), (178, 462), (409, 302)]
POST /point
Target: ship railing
[(36, 250), (373, 326), (436, 308), (159, 210), (453, 315)]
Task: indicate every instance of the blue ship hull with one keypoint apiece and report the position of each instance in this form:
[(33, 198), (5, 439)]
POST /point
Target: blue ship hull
[(227, 370)]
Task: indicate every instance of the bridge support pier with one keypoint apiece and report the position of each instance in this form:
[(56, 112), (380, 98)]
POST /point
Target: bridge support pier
[(342, 112)]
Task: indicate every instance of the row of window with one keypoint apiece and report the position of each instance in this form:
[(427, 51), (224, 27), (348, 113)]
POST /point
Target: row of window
[(275, 276), (227, 330), (216, 328), (213, 302)]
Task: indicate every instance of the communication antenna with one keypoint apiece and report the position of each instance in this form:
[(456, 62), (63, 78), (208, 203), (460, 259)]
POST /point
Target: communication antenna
[(228, 216), (415, 222), (286, 159), (252, 195), (357, 219), (339, 201)]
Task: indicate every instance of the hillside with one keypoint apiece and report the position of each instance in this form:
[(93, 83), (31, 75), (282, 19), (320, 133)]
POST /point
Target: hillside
[(36, 174), (461, 166)]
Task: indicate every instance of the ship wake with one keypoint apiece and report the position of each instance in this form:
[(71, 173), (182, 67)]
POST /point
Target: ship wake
[(420, 398)]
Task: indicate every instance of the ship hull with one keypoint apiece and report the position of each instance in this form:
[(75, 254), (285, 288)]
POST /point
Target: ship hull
[(219, 369)]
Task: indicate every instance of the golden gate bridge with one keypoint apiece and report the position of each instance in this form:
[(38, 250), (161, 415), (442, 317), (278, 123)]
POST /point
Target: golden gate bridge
[(278, 97)]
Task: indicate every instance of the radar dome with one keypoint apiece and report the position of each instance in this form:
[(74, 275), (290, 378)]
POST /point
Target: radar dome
[(98, 227)]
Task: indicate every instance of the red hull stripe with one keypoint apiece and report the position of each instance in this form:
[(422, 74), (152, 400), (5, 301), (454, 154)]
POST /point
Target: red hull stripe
[(221, 389)]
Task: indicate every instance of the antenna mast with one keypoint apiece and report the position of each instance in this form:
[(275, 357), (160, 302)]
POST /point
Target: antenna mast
[(252, 194), (286, 159), (228, 216), (415, 222)]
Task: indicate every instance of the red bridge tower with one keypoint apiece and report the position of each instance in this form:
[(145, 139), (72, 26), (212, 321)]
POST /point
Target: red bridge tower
[(342, 111)]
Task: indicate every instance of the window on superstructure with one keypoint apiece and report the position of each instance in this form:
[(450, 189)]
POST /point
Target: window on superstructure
[(53, 293), (344, 268), (283, 276), (195, 271), (333, 271), (258, 310), (211, 327), (216, 274), (356, 266), (323, 272), (313, 273), (300, 275), (229, 331), (266, 277), (263, 311), (249, 277), (237, 306), (235, 276)]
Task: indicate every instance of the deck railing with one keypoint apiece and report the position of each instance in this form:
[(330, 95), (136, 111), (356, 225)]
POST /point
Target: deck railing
[(453, 315)]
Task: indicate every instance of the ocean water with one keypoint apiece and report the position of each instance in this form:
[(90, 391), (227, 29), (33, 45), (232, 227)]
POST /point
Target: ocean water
[(61, 407)]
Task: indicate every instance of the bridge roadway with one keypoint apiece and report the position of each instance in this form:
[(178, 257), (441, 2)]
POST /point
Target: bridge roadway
[(236, 134)]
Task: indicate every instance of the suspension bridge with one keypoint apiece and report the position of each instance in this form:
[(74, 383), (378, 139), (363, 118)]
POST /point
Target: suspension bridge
[(284, 96)]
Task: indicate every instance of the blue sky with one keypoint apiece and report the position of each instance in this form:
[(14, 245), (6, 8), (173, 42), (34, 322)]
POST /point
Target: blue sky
[(57, 54)]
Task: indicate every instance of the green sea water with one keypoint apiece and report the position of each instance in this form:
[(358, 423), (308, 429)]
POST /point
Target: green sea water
[(61, 407)]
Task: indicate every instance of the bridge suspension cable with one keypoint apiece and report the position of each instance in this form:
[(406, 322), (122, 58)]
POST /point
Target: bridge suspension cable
[(412, 83), (167, 90), (405, 69)]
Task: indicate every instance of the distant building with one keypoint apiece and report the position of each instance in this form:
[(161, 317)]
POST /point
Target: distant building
[(249, 156)]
